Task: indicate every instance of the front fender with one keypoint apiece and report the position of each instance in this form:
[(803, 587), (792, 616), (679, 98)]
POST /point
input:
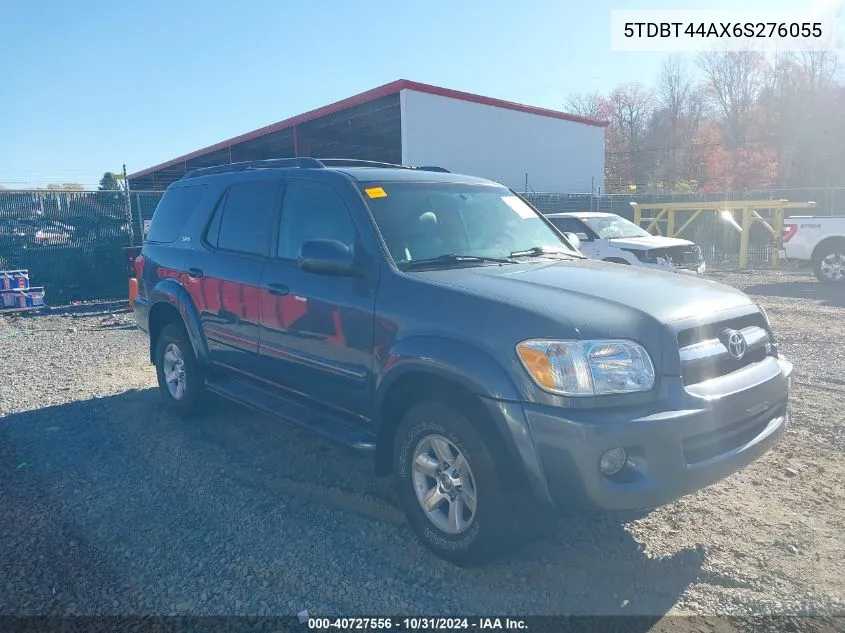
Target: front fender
[(479, 373), (171, 292), (474, 369)]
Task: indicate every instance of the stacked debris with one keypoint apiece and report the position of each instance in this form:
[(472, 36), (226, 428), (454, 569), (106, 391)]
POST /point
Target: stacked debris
[(16, 294)]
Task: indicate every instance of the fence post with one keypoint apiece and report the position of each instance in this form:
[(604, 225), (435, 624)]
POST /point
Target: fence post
[(670, 223), (744, 236), (127, 203), (140, 217), (778, 241)]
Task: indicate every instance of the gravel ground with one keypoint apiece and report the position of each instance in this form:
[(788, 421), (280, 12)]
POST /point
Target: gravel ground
[(112, 506)]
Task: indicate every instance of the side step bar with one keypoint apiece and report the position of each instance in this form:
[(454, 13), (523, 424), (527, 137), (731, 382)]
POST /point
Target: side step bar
[(270, 403)]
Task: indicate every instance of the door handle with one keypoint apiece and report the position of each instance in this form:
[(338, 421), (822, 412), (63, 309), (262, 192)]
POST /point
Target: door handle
[(278, 289), (196, 273)]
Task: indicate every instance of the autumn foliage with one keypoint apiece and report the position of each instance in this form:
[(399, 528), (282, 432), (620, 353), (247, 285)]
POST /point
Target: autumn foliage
[(733, 121)]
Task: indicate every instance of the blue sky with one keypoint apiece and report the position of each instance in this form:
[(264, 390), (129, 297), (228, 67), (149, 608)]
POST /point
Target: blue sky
[(88, 86)]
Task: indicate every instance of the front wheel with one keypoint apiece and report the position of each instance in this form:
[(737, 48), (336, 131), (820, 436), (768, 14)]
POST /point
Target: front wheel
[(829, 265), (451, 493)]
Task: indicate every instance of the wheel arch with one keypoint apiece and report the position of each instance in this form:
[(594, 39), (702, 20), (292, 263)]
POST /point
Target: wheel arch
[(169, 302), (823, 245), (465, 377)]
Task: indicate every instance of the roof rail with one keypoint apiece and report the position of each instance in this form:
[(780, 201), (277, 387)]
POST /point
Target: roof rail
[(301, 162), (354, 162), (272, 163), (433, 168)]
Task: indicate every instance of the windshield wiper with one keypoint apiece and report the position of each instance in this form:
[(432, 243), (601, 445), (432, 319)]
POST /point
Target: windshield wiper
[(450, 259), (539, 251)]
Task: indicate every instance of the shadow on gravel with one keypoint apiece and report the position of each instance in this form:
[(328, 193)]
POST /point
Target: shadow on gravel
[(120, 508), (828, 295), (50, 565)]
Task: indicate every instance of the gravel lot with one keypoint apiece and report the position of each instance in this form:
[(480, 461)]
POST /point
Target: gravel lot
[(112, 506)]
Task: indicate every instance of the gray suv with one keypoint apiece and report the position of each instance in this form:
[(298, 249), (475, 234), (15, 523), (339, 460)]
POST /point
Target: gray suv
[(439, 324)]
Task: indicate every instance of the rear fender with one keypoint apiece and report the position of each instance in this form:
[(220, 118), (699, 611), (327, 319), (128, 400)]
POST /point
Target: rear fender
[(173, 293)]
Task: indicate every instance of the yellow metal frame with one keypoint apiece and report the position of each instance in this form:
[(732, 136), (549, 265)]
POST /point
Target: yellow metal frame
[(750, 210)]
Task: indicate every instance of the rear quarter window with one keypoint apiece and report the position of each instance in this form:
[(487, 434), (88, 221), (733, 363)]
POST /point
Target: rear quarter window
[(173, 210)]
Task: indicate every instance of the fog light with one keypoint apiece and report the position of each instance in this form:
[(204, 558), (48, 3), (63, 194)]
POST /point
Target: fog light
[(612, 461)]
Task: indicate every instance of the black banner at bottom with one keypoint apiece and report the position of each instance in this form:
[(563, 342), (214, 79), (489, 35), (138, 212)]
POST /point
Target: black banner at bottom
[(303, 624)]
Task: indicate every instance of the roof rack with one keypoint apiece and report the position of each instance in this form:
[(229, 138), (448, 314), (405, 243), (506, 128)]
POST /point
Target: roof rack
[(272, 163), (355, 162), (302, 163), (433, 168)]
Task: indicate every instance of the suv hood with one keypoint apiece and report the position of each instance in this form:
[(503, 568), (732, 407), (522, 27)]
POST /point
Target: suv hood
[(600, 299), (646, 243)]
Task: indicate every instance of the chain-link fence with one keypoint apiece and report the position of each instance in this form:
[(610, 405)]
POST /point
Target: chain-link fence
[(72, 241)]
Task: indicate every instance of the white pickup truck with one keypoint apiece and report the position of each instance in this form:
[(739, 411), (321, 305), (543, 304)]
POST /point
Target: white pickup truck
[(817, 241)]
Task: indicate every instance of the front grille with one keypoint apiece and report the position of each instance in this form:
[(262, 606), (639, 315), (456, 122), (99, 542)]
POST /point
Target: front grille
[(684, 255), (693, 335), (704, 352), (704, 446)]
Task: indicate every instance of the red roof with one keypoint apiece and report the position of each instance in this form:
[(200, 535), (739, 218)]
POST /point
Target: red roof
[(365, 97)]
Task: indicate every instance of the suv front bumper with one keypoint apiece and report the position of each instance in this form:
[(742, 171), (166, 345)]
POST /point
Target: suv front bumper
[(672, 451)]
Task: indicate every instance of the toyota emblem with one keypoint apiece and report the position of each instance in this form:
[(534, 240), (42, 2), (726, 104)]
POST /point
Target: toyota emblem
[(737, 345)]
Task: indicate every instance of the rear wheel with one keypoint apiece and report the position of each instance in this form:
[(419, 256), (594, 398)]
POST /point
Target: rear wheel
[(829, 264), (452, 495), (180, 377)]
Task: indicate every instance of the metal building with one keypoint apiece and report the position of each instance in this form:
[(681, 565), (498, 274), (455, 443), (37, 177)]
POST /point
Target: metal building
[(523, 147)]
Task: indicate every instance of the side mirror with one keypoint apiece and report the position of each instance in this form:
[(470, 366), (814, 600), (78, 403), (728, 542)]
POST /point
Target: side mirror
[(583, 237), (573, 239), (327, 257)]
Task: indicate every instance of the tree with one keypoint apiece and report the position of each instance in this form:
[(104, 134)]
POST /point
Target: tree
[(591, 105), (735, 80), (68, 186), (751, 122), (110, 191), (678, 113), (631, 106), (801, 104), (110, 182)]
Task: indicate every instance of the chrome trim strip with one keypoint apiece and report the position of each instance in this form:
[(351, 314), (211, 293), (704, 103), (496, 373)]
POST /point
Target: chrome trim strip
[(755, 336)]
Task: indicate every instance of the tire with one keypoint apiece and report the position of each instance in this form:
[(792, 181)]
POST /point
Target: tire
[(172, 344), (829, 264), (482, 534)]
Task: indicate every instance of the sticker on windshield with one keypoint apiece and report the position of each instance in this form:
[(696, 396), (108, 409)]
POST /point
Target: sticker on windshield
[(522, 209), (376, 192)]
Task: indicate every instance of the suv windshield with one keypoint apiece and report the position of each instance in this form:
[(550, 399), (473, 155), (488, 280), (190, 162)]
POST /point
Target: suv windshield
[(608, 227), (423, 221)]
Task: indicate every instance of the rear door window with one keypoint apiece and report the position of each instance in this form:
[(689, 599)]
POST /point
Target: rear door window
[(173, 211), (242, 222)]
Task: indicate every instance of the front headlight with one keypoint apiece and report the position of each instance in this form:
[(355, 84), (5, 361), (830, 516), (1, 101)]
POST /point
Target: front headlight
[(587, 368)]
